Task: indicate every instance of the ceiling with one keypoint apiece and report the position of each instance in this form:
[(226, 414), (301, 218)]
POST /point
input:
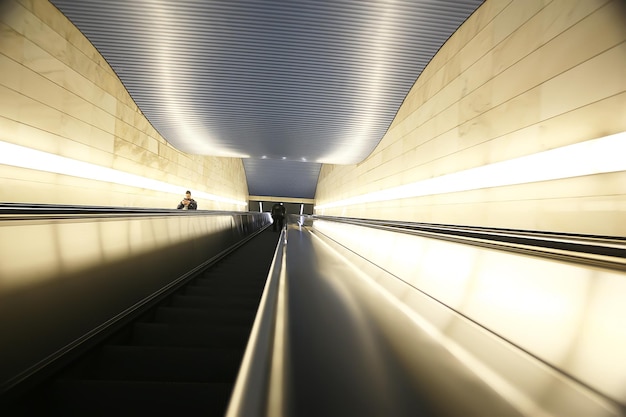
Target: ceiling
[(285, 85)]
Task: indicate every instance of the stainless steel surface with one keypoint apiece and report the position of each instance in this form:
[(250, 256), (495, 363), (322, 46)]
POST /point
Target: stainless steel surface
[(565, 314), (263, 354), (63, 279), (285, 85), (600, 251), (356, 336)]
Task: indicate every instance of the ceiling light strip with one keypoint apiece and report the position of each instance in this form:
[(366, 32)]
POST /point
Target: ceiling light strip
[(597, 156), (23, 157)]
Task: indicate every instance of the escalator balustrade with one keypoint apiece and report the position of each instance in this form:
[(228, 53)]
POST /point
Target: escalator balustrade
[(180, 358)]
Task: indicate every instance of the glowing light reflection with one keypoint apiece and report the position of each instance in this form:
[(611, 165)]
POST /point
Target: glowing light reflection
[(20, 156), (595, 156)]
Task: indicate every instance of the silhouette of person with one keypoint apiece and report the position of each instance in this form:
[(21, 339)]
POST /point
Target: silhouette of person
[(278, 215)]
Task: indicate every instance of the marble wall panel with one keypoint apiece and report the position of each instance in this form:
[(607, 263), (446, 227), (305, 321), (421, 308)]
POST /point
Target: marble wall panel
[(580, 85), (9, 103)]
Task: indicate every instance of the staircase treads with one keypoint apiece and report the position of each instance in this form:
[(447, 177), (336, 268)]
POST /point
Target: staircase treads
[(129, 398), (249, 274), (227, 287), (230, 274), (250, 266), (246, 302), (155, 363), (233, 261), (254, 254), (190, 335), (238, 267), (214, 316), (217, 290)]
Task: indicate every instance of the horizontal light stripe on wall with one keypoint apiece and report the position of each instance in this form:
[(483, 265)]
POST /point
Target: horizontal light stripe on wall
[(23, 157), (596, 156)]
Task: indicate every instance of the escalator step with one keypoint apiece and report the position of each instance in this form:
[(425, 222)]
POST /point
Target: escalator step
[(213, 290), (230, 282), (172, 334), (215, 316), (232, 272), (128, 398), (247, 302), (143, 363)]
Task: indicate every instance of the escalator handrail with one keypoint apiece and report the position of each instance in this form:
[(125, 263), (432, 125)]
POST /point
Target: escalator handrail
[(258, 371), (19, 211), (602, 251)]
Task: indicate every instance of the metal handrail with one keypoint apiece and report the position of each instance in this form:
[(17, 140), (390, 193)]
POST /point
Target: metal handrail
[(258, 367), (602, 251), (20, 211)]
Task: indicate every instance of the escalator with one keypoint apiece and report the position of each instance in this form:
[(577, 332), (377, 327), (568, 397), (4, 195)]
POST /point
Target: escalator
[(181, 357), (368, 319)]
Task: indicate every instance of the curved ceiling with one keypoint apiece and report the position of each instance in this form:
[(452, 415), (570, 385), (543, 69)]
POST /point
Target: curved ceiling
[(285, 85)]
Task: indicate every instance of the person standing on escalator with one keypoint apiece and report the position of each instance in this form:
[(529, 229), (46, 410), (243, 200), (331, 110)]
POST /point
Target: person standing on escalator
[(278, 215), (187, 203)]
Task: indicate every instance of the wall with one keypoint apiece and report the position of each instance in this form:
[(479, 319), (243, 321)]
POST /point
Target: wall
[(59, 95), (519, 77)]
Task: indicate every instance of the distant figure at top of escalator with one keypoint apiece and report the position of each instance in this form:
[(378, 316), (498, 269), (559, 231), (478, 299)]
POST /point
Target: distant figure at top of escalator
[(278, 215), (187, 203)]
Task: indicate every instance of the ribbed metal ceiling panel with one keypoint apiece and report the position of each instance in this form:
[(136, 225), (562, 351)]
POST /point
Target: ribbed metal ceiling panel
[(294, 179), (305, 82)]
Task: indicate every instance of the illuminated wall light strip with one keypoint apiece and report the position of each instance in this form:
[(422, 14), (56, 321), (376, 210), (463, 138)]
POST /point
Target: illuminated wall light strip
[(595, 156), (23, 157)]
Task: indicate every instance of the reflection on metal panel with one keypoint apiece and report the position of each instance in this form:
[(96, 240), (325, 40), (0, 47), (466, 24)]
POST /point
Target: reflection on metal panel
[(566, 314), (340, 335), (36, 251)]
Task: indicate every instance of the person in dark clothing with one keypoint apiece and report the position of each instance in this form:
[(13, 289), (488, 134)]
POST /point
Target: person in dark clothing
[(187, 203), (278, 215)]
